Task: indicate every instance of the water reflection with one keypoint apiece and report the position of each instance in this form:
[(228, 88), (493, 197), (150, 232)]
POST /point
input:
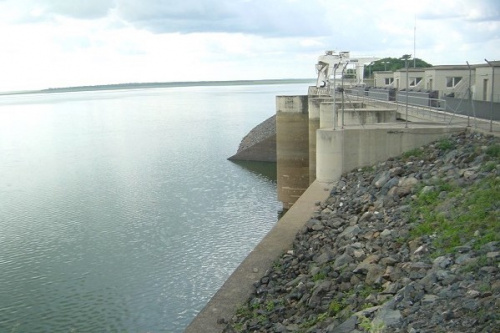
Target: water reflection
[(265, 169)]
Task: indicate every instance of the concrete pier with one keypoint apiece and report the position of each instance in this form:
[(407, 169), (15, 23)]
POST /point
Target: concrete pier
[(314, 107), (292, 148)]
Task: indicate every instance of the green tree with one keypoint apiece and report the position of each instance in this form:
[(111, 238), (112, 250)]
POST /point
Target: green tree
[(392, 64)]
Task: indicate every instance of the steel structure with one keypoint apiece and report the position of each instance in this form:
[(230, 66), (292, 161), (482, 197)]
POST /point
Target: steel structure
[(328, 64)]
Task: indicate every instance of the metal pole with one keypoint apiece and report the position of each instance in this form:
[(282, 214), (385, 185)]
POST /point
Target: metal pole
[(343, 69), (470, 93), (407, 91), (334, 96), (414, 43), (492, 89)]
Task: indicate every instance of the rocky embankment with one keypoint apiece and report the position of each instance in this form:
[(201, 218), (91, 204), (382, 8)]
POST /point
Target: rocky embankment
[(408, 245), (259, 144)]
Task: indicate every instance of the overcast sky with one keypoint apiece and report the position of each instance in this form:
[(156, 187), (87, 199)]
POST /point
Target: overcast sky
[(57, 43)]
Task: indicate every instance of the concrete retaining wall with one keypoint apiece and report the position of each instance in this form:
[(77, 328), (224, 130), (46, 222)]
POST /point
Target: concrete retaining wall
[(340, 151)]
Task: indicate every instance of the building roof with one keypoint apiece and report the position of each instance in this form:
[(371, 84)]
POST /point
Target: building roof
[(451, 67), (411, 69), (495, 63)]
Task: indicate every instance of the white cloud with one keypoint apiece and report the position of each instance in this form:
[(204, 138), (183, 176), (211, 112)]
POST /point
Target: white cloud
[(51, 43), (261, 17)]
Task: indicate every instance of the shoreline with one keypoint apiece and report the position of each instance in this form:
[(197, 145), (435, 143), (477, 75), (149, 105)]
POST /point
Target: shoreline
[(147, 85)]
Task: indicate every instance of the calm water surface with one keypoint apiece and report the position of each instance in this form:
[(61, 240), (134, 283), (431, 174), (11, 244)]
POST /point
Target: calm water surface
[(119, 210)]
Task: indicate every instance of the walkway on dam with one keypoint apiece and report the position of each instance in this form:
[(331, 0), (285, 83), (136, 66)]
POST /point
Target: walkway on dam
[(238, 286), (421, 114)]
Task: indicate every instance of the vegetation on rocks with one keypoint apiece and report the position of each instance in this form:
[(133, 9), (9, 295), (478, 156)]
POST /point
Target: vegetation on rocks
[(408, 245)]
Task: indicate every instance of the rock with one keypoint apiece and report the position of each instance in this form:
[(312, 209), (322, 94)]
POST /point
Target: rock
[(350, 232), (346, 327), (382, 179), (406, 186), (427, 189), (292, 327), (464, 258), (387, 317), (319, 291), (342, 260), (314, 225), (386, 233), (391, 288), (429, 299), (462, 249), (388, 261), (441, 262), (420, 250), (366, 216), (323, 258), (493, 255), (280, 328), (468, 174), (473, 293), (390, 184), (374, 274)]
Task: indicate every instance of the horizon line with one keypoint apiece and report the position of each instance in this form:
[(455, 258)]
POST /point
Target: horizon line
[(135, 85)]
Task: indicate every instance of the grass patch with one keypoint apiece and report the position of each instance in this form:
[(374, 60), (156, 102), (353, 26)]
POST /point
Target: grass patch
[(269, 306), (475, 264), (488, 166), (335, 307), (313, 320), (493, 151), (368, 326), (465, 212), (445, 144), (417, 152), (368, 290), (319, 276)]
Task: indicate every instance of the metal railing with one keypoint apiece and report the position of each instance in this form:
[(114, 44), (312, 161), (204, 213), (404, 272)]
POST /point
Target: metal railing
[(448, 110), (445, 113)]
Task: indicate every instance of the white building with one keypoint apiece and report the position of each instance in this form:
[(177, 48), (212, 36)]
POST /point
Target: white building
[(448, 80)]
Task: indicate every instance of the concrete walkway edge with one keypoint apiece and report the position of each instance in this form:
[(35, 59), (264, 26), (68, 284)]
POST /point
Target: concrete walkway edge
[(238, 287)]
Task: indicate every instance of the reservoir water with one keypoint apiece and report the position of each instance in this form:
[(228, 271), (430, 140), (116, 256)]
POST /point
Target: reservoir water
[(118, 209)]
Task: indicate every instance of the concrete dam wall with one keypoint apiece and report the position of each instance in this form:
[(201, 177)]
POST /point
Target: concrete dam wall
[(315, 142)]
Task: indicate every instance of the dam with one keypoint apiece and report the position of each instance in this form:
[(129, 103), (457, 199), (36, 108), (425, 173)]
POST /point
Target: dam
[(318, 137)]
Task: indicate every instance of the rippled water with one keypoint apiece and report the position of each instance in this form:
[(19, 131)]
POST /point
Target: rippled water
[(119, 210)]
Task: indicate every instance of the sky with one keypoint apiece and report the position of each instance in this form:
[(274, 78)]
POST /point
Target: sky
[(61, 43)]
